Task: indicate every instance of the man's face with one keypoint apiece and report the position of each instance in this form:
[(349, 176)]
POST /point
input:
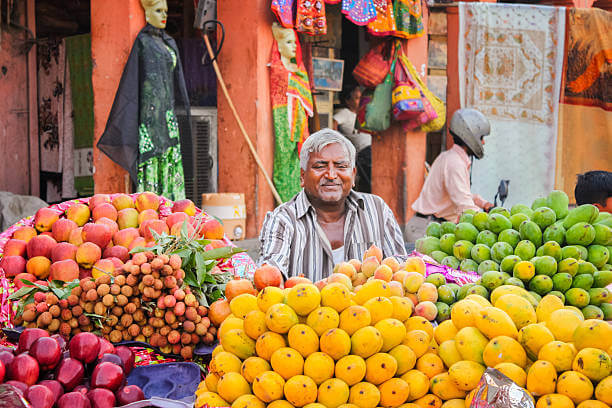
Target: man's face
[(607, 207), (329, 174)]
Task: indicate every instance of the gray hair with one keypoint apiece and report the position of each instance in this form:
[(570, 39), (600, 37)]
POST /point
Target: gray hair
[(325, 137)]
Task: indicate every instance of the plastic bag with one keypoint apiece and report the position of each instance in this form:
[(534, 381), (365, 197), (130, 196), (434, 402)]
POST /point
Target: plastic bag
[(495, 390)]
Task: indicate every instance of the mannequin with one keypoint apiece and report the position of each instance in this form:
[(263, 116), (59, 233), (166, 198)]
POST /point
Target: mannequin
[(142, 133), (291, 106)]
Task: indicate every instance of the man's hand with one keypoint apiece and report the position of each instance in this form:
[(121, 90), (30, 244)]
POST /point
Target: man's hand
[(487, 207)]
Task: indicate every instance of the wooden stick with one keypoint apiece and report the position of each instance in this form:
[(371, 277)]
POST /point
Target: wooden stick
[(240, 125)]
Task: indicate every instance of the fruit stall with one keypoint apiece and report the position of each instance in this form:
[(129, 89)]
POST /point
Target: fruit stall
[(106, 301), (502, 309)]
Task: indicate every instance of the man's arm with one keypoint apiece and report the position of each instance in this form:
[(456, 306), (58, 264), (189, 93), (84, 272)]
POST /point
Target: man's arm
[(275, 242)]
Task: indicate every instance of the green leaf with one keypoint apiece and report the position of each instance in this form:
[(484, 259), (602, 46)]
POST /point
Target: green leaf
[(22, 292), (60, 293), (200, 265), (224, 252), (139, 249), (94, 315)]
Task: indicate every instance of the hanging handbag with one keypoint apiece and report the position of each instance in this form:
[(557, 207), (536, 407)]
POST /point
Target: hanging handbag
[(437, 116), (378, 111), (406, 96), (374, 66)]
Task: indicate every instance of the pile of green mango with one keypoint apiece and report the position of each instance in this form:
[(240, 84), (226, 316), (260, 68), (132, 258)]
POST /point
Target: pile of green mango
[(545, 248)]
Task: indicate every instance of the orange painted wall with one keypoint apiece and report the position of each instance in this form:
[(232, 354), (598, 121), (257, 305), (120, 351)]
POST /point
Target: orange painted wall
[(114, 25), (398, 156), (243, 64)]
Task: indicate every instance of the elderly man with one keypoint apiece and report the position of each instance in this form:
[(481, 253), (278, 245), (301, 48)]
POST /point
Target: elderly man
[(327, 222)]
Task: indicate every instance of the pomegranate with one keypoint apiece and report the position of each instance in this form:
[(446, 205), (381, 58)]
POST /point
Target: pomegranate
[(267, 275)]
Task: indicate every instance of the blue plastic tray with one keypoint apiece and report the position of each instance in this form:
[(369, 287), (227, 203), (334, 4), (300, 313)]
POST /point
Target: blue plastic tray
[(167, 380)]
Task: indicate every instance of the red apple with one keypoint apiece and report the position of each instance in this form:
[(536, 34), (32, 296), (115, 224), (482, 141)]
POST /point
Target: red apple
[(101, 398), (13, 265), (105, 347), (117, 251), (47, 352), (73, 400), (291, 282), (18, 280), (28, 337), (25, 368), (129, 394), (3, 371), (107, 375), (111, 358), (99, 234), (40, 396), (63, 251), (6, 358), (60, 340), (21, 387), (69, 373), (85, 347), (40, 245), (55, 387), (128, 357)]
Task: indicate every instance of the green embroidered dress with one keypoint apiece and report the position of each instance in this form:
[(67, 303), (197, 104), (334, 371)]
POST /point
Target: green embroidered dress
[(142, 133)]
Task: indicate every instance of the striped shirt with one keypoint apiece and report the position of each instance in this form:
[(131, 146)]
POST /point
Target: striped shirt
[(293, 241)]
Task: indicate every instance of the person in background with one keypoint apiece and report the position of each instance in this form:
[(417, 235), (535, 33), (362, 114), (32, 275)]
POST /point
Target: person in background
[(327, 222), (595, 187), (446, 193), (345, 120)]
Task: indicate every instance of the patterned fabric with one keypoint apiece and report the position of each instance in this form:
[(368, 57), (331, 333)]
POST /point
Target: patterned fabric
[(283, 9), (311, 17), (510, 66), (360, 12), (408, 18), (589, 54), (291, 104), (292, 240), (385, 19)]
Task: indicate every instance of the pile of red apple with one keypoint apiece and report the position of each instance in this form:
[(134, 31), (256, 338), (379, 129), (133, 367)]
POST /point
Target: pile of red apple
[(88, 239), (88, 372)]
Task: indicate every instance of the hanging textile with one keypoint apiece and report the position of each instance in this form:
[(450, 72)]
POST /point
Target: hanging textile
[(384, 24), (586, 107), (283, 9), (510, 66), (311, 17), (359, 12), (55, 121), (291, 104), (78, 51), (408, 18), (142, 133)]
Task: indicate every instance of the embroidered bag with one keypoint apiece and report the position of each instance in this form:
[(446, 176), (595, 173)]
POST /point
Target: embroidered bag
[(406, 96), (435, 123), (374, 66), (378, 111)]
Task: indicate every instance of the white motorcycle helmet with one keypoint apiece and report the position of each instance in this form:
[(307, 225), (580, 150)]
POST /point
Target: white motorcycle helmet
[(470, 126)]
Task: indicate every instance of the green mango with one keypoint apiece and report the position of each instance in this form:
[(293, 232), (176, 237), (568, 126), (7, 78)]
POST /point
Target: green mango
[(507, 264), (487, 266), (515, 282), (466, 217), (585, 213), (580, 233), (468, 265), (557, 294), (510, 236), (438, 256), (466, 231), (500, 250), (427, 245), (492, 279), (436, 279), (500, 210), (598, 255), (552, 248), (554, 232), (525, 250), (562, 281), (480, 220), (559, 202), (539, 202), (577, 297), (584, 281), (462, 250), (443, 312), (568, 265), (521, 209), (599, 296), (531, 231), (541, 284), (478, 290), (602, 279), (451, 261), (462, 292), (545, 265), (606, 308), (498, 222), (603, 234), (448, 227), (480, 253), (544, 217), (433, 229), (446, 294), (592, 312), (487, 238), (446, 243), (517, 219)]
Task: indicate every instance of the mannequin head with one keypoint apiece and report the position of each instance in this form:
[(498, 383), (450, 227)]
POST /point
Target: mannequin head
[(156, 12), (287, 47)]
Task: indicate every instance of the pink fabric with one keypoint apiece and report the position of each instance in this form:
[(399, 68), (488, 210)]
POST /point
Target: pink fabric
[(446, 193), (451, 275)]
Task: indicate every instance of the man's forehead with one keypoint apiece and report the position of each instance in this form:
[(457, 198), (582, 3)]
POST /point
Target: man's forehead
[(331, 153)]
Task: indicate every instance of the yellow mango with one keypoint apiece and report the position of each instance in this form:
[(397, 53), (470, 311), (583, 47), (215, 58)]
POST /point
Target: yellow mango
[(533, 337), (504, 349), (541, 378), (470, 343), (493, 322), (546, 306), (518, 308)]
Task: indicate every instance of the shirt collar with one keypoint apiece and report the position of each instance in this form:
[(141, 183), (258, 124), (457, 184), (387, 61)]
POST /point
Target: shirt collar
[(302, 204), (462, 154)]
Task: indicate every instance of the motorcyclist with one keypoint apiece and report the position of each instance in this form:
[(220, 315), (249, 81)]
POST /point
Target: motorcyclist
[(446, 193)]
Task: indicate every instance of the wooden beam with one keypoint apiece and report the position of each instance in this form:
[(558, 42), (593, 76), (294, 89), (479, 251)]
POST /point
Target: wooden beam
[(33, 104)]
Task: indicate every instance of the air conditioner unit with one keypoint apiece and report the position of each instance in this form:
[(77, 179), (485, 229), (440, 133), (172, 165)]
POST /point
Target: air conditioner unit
[(204, 152)]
